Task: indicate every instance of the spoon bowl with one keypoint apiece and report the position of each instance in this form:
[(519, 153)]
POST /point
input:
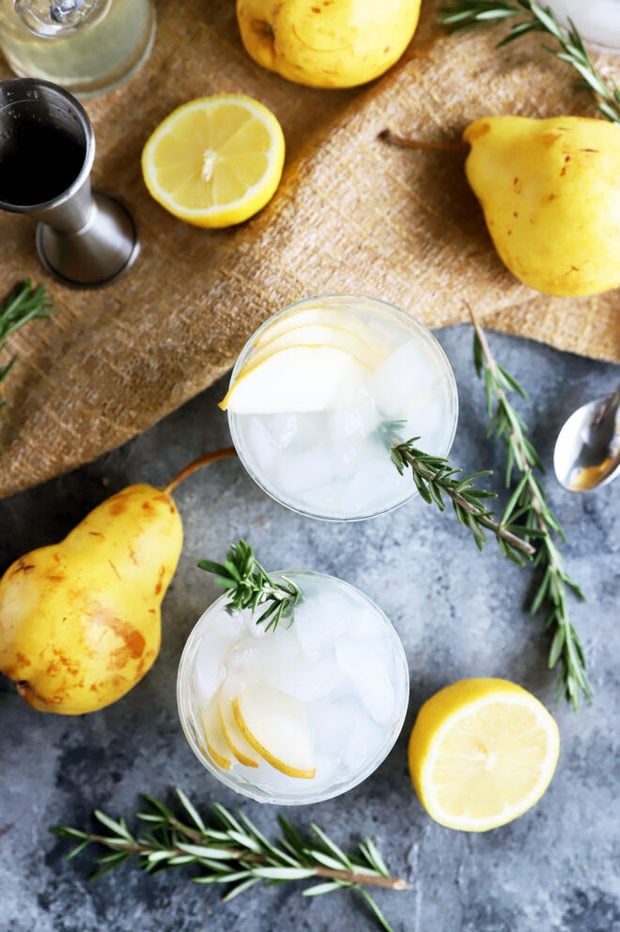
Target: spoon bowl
[(587, 450)]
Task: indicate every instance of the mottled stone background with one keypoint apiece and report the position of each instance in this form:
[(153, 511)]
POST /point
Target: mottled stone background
[(459, 614)]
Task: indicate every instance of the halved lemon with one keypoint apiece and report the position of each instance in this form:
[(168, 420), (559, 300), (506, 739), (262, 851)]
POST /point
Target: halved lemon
[(481, 753), (277, 727), (294, 378), (215, 161)]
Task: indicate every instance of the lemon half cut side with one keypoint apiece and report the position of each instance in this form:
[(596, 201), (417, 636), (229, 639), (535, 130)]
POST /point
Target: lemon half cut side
[(481, 753), (215, 161)]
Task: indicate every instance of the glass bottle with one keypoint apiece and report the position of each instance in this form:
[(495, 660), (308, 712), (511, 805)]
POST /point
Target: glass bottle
[(87, 46)]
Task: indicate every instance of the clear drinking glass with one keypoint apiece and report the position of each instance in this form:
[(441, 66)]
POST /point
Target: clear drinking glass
[(597, 21), (335, 463), (88, 47), (337, 673)]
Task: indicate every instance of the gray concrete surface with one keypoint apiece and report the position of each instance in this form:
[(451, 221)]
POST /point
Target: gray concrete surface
[(459, 613)]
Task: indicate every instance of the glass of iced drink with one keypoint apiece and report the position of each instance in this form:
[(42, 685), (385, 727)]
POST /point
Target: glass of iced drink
[(300, 713), (597, 21), (320, 392)]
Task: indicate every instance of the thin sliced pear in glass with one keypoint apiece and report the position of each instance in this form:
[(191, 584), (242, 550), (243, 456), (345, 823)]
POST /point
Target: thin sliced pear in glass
[(321, 335), (277, 727), (320, 315), (234, 737), (299, 378), (214, 735)]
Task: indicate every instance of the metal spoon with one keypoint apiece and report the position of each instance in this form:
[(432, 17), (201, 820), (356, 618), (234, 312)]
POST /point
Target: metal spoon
[(587, 451)]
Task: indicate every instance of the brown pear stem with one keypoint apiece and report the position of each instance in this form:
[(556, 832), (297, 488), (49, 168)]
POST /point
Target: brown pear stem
[(191, 468), (405, 142)]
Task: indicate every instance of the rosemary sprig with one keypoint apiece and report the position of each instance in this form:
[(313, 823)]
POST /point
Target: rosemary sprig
[(434, 477), (23, 304), (463, 14), (231, 850), (527, 506), (250, 586)]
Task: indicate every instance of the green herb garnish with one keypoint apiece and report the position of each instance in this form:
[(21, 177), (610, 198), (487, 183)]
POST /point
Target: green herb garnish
[(250, 586), (231, 850), (463, 14), (24, 304), (434, 477), (528, 510)]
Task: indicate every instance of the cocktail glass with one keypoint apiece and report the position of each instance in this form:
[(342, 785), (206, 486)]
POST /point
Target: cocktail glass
[(335, 463), (597, 21), (330, 683)]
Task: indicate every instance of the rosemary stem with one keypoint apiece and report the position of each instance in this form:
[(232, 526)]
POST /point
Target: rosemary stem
[(516, 434), (498, 529), (529, 498), (248, 857)]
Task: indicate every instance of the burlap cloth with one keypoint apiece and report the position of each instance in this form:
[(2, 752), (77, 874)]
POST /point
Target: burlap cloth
[(351, 214)]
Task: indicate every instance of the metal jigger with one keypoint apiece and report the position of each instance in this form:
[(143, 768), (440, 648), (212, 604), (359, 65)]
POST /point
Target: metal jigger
[(84, 238)]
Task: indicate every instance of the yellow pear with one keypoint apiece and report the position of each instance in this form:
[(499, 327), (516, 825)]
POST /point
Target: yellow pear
[(80, 621), (328, 43), (550, 192)]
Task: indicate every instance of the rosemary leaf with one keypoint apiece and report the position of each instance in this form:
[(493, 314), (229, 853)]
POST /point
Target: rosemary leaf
[(23, 304), (463, 14), (321, 888), (217, 853), (434, 477), (250, 586), (536, 521)]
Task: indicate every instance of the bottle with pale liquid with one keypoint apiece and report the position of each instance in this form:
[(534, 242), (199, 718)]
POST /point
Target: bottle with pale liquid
[(88, 47)]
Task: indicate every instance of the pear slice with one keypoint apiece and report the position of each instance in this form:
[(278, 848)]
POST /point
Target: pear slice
[(319, 335), (277, 727), (296, 378), (214, 735), (234, 737), (317, 314)]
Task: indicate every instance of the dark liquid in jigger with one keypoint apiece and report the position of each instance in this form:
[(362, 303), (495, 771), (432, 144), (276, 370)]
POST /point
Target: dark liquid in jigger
[(37, 163)]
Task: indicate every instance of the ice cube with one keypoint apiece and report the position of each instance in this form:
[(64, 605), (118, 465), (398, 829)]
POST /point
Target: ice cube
[(361, 745), (375, 486), (332, 722), (366, 665), (210, 662), (320, 618), (298, 473), (305, 680), (406, 380), (348, 427)]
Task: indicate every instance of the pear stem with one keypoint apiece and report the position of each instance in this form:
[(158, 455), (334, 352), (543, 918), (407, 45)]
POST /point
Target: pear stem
[(405, 142), (191, 468)]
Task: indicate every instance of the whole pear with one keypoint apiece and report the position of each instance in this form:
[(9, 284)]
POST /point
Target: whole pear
[(327, 43), (550, 192), (80, 621)]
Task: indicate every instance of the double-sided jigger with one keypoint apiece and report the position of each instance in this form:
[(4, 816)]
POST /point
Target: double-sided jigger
[(84, 238)]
